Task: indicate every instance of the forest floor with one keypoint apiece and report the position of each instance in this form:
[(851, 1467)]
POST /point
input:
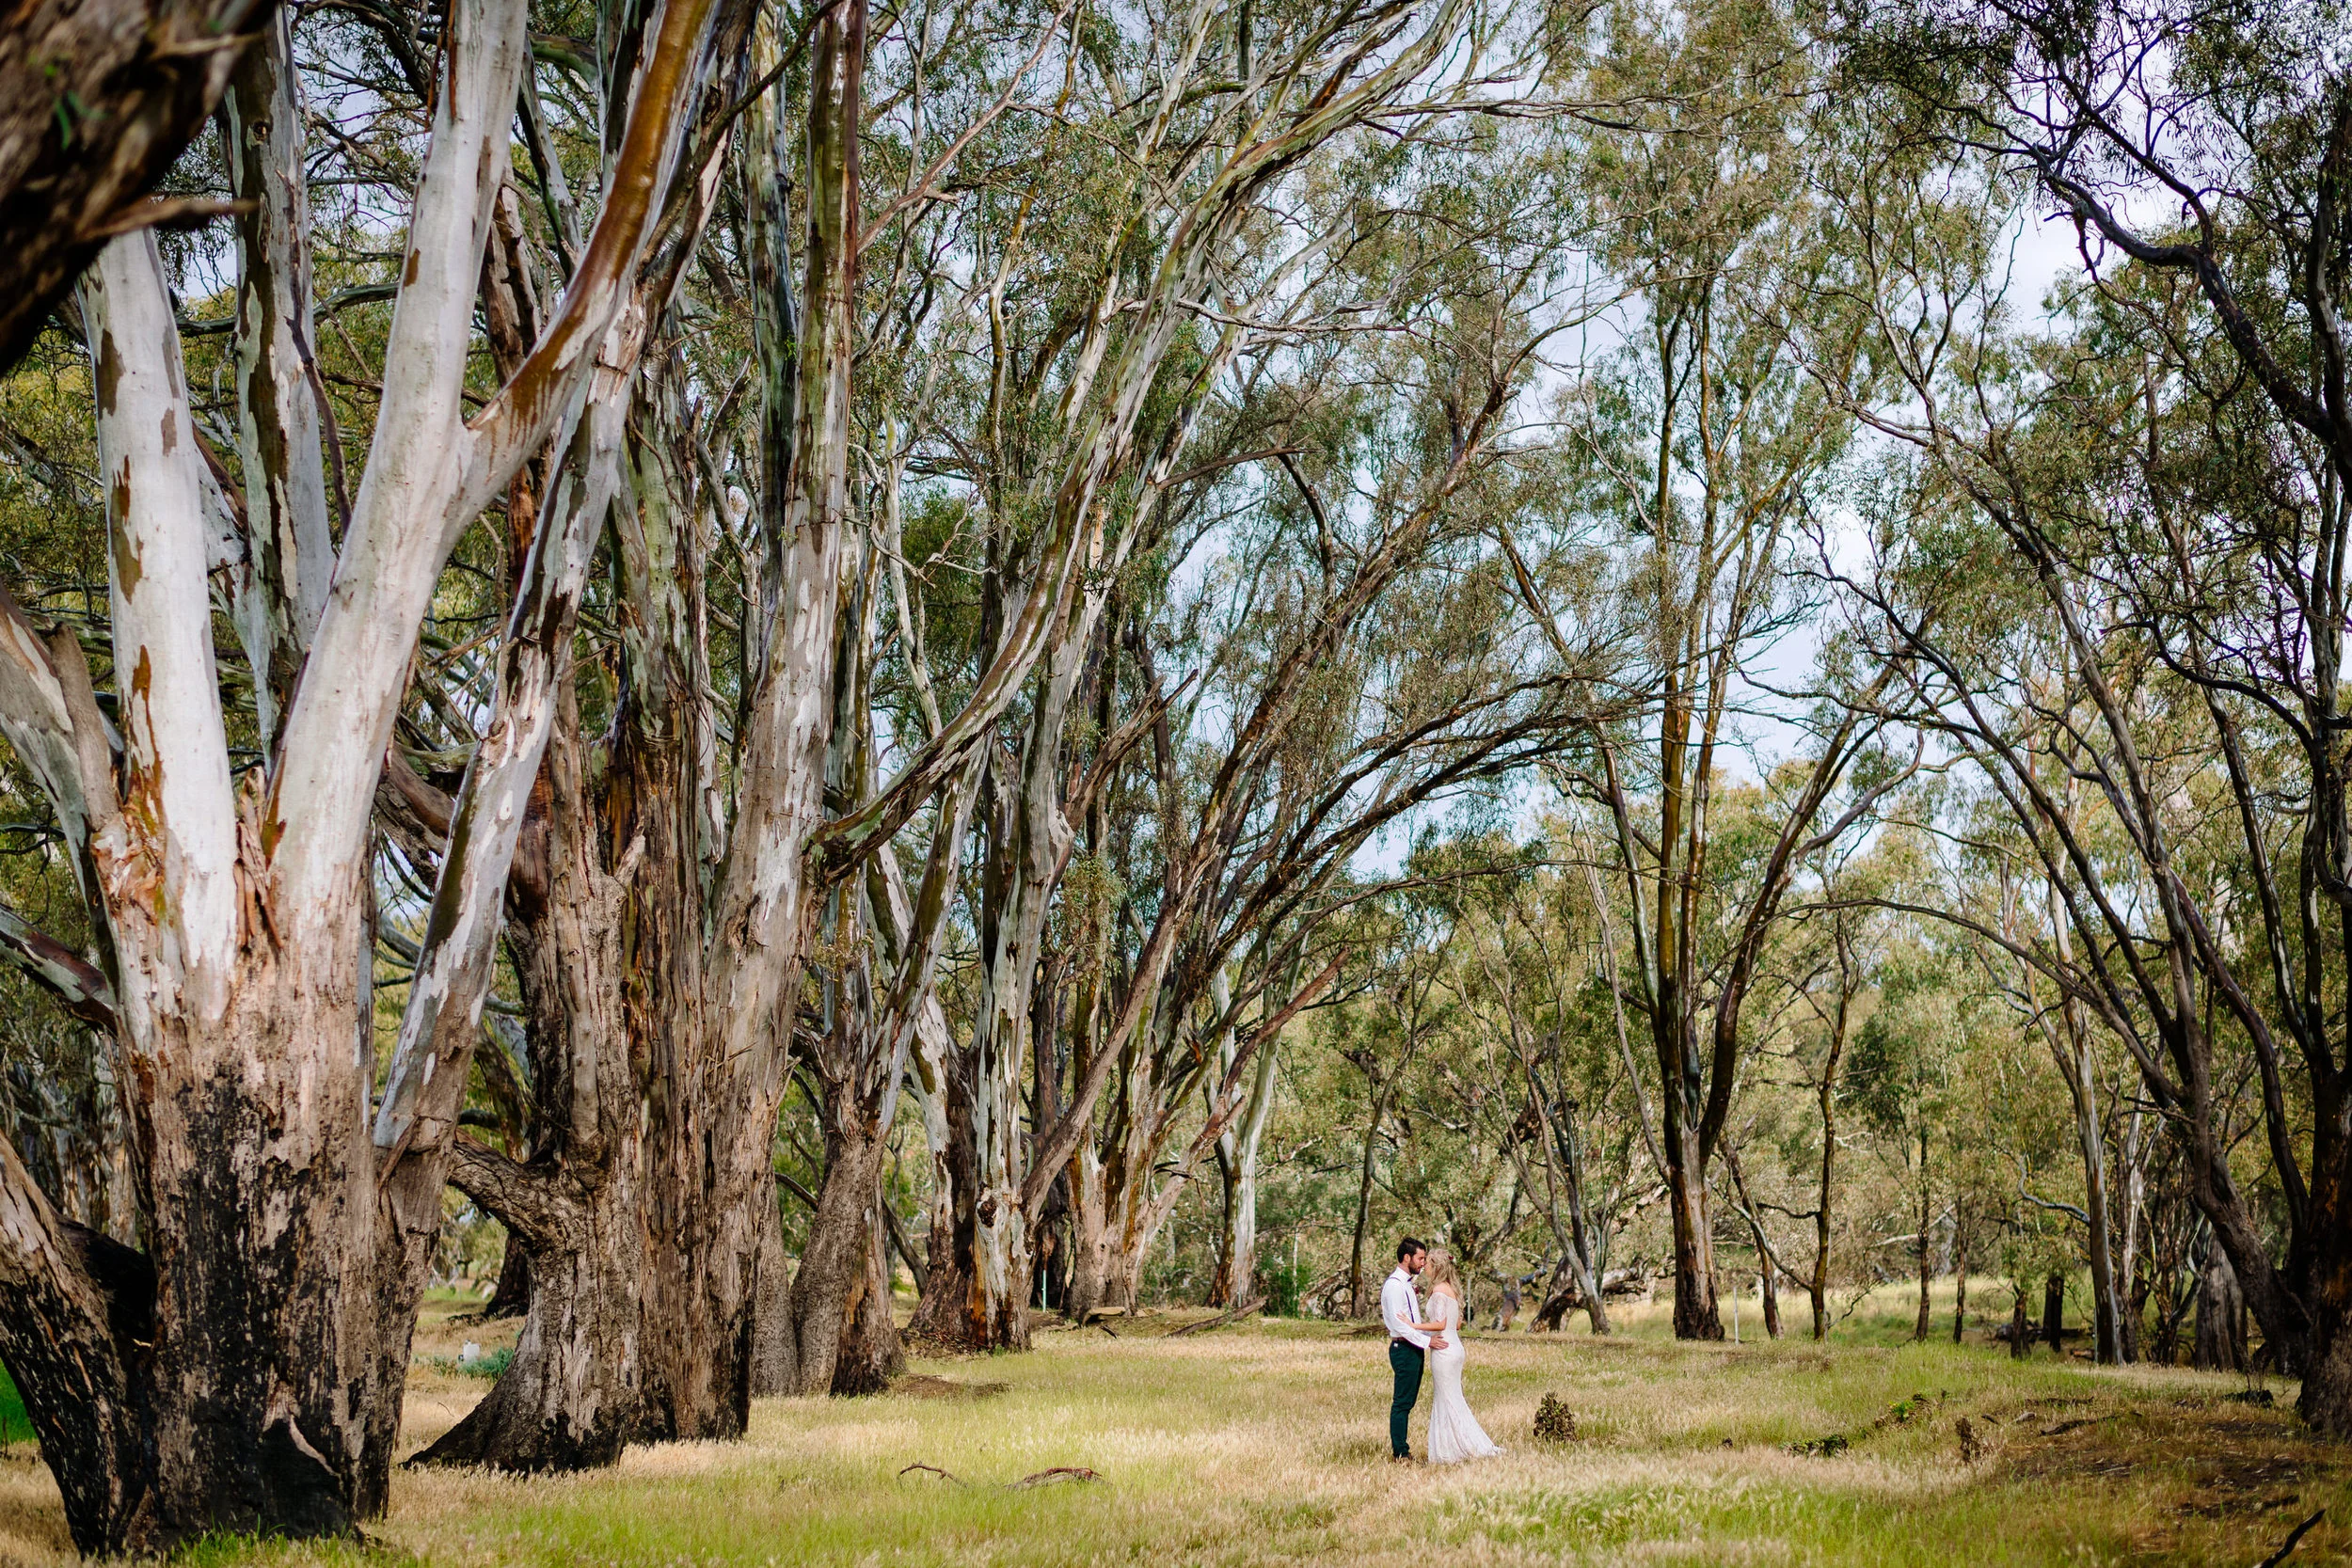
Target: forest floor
[(1266, 1442)]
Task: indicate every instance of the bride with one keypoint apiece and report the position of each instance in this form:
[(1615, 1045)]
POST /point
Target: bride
[(1454, 1433)]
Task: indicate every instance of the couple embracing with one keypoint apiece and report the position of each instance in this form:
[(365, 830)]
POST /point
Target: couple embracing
[(1454, 1433)]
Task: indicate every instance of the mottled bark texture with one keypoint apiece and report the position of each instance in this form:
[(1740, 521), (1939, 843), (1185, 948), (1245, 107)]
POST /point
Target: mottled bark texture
[(720, 1069), (569, 1398), (668, 1065)]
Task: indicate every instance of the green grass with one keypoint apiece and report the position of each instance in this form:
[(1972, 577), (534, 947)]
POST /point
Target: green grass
[(487, 1366), (15, 1427), (1265, 1443)]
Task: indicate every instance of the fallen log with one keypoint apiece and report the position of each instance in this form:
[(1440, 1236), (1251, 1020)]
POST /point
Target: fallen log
[(1219, 1321)]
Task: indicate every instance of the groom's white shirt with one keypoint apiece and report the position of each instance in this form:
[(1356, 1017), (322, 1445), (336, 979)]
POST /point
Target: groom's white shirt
[(1400, 1306)]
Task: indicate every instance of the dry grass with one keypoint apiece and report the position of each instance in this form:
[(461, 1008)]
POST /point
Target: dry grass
[(1266, 1442)]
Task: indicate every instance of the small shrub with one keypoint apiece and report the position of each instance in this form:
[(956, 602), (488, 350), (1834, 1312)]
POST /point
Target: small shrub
[(1285, 1289), (1554, 1421)]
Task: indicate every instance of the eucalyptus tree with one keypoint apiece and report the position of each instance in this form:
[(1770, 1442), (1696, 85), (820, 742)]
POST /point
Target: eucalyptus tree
[(1582, 1105), (1702, 442), (1831, 986), (244, 1370), (1906, 1057), (2172, 476), (1391, 687), (1238, 163), (2065, 1028), (1407, 1005), (687, 870), (2214, 553)]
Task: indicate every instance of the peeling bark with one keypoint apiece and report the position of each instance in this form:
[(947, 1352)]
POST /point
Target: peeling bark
[(280, 398)]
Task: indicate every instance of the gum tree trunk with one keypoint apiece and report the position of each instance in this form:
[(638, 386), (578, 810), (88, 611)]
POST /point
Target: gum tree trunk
[(944, 1317), (1695, 1315), (2070, 1044), (230, 1383), (1090, 1274), (839, 1258), (1237, 1152), (2220, 1342), (2327, 1397), (79, 1309), (258, 1387), (1927, 1251), (871, 1352), (1960, 1274), (1825, 1096), (569, 1398), (720, 1057)]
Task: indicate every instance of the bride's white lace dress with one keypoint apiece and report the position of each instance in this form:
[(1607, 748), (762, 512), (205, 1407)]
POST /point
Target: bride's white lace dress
[(1454, 1433)]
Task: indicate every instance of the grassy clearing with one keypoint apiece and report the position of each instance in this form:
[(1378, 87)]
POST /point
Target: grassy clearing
[(1266, 1442), (14, 1428)]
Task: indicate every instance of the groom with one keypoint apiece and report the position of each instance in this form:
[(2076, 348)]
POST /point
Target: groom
[(1400, 1309)]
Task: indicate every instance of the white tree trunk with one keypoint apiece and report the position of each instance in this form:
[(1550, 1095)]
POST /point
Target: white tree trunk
[(288, 540)]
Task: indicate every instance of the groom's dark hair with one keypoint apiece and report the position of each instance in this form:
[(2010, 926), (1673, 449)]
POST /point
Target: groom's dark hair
[(1406, 1247)]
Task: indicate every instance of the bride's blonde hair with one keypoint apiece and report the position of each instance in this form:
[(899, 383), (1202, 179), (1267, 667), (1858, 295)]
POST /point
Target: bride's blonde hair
[(1441, 1270)]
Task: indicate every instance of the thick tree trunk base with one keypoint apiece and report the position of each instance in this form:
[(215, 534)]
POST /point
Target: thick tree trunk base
[(941, 1322), (1696, 1315), (2326, 1404), (569, 1398), (871, 1354)]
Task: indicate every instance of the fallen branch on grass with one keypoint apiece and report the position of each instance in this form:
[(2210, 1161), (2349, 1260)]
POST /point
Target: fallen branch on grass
[(1036, 1477), (1221, 1320), (1060, 1472), (2280, 1554), (930, 1469)]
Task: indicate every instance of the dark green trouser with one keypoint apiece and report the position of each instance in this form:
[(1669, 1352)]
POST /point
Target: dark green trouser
[(1405, 1362)]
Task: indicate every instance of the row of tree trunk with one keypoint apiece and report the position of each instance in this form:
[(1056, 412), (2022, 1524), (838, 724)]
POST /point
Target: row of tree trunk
[(683, 906)]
